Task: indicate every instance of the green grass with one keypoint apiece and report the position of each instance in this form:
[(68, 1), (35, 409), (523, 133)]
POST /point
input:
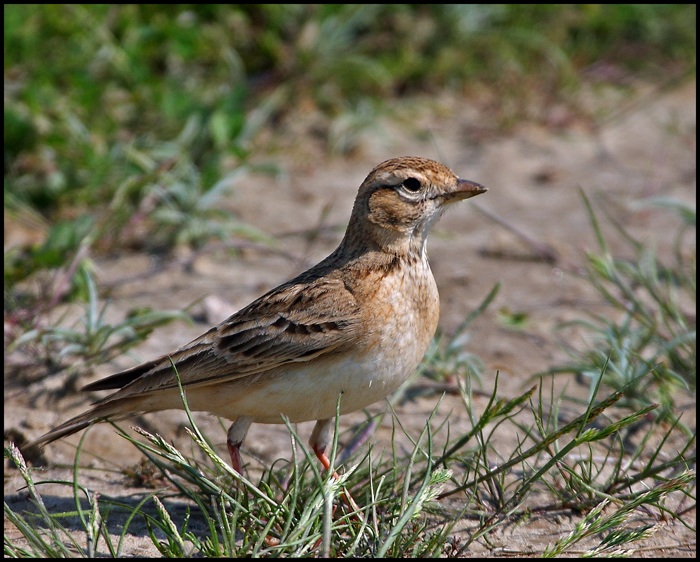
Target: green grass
[(76, 346), (289, 510), (101, 98), (646, 340)]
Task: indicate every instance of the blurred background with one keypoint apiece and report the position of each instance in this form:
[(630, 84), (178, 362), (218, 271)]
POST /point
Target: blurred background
[(114, 110)]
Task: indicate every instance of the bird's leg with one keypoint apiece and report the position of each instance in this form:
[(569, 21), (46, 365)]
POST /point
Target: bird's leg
[(321, 456), (319, 441), (321, 438), (234, 439)]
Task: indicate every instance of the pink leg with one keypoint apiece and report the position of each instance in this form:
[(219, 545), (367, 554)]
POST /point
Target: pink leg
[(320, 438), (321, 455), (234, 439), (234, 449)]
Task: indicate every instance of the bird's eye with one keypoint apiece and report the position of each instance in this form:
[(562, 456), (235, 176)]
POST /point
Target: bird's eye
[(412, 185)]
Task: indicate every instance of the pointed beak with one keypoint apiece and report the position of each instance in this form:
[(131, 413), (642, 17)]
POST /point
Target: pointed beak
[(464, 190)]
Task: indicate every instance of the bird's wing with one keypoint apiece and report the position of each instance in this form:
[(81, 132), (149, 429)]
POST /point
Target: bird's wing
[(293, 323)]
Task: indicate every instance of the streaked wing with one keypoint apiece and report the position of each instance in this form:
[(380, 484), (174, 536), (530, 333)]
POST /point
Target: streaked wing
[(293, 323)]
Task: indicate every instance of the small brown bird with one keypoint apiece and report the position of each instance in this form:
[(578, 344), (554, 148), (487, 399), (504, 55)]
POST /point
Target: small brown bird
[(356, 324)]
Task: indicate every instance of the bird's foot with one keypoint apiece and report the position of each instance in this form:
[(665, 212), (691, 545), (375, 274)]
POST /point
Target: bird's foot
[(323, 458)]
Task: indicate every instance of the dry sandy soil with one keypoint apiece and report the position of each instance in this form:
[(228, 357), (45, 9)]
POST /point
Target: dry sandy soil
[(533, 176)]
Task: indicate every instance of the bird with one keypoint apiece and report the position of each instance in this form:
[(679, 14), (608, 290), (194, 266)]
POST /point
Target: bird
[(352, 328)]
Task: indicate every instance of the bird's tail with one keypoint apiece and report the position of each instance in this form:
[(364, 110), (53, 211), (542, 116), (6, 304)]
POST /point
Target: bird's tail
[(97, 414)]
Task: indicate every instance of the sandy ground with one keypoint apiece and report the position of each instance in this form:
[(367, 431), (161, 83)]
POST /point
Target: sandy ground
[(533, 175)]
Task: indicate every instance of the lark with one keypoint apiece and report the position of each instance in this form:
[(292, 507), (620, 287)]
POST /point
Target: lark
[(354, 326)]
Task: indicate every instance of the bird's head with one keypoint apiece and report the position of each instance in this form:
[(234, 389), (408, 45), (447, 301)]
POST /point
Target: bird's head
[(402, 198)]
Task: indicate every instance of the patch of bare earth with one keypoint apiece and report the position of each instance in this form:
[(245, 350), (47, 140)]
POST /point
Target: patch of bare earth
[(533, 176)]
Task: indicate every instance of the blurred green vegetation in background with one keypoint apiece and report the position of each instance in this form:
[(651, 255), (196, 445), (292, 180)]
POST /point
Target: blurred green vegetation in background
[(95, 94), (127, 125)]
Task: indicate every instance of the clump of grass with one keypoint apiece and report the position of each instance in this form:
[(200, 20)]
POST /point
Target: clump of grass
[(165, 202), (403, 511), (90, 340), (648, 344)]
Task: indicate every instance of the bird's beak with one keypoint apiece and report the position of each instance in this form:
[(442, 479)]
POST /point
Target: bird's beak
[(464, 190)]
